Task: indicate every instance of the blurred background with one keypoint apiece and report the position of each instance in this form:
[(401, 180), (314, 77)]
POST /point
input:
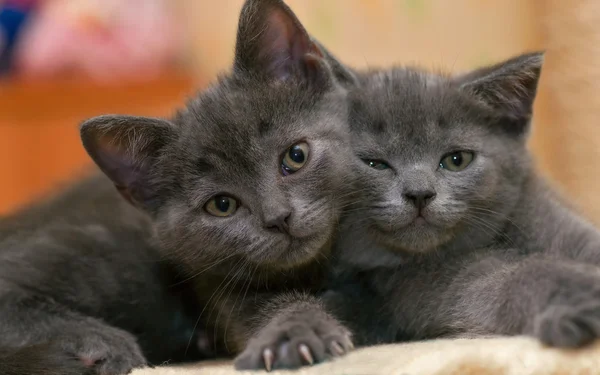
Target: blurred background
[(62, 61)]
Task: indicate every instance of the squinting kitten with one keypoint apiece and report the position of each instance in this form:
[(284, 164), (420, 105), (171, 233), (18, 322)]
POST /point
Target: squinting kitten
[(240, 194), (455, 234)]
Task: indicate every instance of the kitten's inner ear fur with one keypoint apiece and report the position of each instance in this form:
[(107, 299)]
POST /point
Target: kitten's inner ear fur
[(273, 44), (508, 88), (125, 147)]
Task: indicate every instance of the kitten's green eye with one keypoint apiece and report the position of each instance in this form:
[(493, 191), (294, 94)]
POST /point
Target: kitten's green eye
[(457, 161), (221, 205), (376, 164), (295, 157)]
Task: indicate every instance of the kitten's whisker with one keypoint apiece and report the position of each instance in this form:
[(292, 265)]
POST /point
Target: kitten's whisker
[(500, 214), (221, 297), (347, 211), (204, 270), (249, 284), (354, 192), (238, 278), (204, 309), (482, 224)]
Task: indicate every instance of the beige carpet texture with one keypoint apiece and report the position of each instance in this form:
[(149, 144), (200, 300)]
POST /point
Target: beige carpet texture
[(491, 356)]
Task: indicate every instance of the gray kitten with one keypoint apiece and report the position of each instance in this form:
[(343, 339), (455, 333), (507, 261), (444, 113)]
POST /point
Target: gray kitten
[(245, 188), (454, 233), (225, 228)]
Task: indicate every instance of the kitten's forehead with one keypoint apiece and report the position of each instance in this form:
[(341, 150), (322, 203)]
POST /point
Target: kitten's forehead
[(240, 125), (407, 106)]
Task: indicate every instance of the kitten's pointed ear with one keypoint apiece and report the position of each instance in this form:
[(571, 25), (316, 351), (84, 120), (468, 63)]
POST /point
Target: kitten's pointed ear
[(125, 148), (509, 88), (343, 74), (273, 44)]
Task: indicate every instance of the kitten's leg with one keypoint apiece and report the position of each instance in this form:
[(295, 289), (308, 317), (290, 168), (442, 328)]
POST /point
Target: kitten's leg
[(292, 330), (27, 320), (43, 359), (363, 311), (555, 300)]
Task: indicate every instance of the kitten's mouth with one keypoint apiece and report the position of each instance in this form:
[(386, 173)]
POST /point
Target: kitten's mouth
[(417, 222), (420, 220), (295, 251)]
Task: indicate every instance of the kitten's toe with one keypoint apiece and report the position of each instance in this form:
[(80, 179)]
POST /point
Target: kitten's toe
[(104, 350), (338, 342), (568, 326), (283, 347), (301, 350), (254, 358), (301, 340), (121, 363)]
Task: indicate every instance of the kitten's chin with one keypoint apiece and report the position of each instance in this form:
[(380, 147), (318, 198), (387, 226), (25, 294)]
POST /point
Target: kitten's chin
[(418, 237), (298, 252)]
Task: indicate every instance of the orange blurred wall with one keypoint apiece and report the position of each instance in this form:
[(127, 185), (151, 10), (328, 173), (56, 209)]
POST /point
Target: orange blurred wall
[(39, 140), (452, 35)]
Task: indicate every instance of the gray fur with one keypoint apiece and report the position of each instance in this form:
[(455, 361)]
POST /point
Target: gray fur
[(95, 274), (80, 273), (230, 141), (495, 251)]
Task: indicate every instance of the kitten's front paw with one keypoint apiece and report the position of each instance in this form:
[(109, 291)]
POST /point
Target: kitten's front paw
[(301, 340), (104, 349), (569, 326)]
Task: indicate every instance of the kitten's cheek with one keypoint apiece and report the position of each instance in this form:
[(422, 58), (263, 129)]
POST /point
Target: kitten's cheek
[(303, 226), (309, 221), (444, 219), (391, 220)]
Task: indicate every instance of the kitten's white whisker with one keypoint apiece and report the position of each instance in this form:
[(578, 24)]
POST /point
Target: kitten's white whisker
[(205, 306), (228, 318), (500, 214), (204, 270)]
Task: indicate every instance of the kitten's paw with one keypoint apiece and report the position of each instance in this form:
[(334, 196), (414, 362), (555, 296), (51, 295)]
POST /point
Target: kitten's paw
[(104, 350), (304, 339), (569, 326)]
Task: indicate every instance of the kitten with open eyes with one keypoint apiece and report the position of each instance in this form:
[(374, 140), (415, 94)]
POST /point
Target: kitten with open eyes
[(455, 234), (245, 188), (234, 200)]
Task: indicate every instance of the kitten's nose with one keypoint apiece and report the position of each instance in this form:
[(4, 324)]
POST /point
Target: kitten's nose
[(420, 198), (278, 220)]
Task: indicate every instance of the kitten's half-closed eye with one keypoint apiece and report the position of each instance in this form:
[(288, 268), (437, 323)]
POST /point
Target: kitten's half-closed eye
[(376, 164), (221, 206), (457, 161), (295, 158)]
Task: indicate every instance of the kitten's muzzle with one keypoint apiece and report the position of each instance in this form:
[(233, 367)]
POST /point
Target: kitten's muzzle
[(278, 221), (420, 198)]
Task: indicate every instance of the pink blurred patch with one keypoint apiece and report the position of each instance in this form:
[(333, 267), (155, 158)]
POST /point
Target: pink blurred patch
[(108, 40)]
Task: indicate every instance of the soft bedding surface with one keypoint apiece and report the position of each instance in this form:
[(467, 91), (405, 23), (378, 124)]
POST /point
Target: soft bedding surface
[(494, 356)]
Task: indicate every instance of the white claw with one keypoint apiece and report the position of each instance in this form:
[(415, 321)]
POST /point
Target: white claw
[(336, 348), (268, 357), (305, 353)]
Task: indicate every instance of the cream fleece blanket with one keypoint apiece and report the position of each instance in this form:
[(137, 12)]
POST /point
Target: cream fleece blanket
[(493, 356)]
